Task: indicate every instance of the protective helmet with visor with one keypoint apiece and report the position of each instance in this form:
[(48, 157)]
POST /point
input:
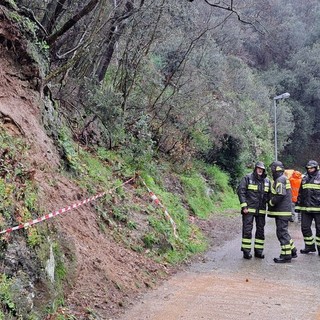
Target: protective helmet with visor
[(312, 164)]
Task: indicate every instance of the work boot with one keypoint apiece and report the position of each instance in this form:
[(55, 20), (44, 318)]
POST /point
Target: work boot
[(294, 253), (307, 250), (247, 255), (282, 260), (259, 255)]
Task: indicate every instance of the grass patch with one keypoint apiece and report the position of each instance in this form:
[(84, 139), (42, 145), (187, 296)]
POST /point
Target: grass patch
[(165, 245), (197, 193), (223, 195)]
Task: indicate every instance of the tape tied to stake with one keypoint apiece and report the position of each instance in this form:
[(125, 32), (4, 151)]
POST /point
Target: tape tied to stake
[(154, 198), (157, 201)]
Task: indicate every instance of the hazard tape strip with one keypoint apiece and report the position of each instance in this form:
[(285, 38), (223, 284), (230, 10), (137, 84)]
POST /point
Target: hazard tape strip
[(63, 210), (157, 202)]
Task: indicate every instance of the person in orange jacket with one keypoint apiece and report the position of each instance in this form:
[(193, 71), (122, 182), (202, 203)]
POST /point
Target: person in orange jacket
[(295, 181)]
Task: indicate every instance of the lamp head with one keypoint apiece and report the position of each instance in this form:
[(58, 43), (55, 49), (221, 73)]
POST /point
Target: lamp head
[(282, 96)]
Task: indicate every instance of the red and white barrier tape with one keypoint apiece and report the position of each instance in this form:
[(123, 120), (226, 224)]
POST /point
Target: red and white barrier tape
[(76, 205), (63, 210), (157, 202)]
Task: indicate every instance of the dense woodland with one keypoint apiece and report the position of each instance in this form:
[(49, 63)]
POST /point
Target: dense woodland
[(186, 78), (165, 93)]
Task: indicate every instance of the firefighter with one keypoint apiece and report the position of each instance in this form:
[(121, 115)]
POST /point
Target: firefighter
[(253, 192), (280, 209), (309, 205)]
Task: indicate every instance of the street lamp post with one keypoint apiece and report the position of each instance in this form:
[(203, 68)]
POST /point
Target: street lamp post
[(281, 96)]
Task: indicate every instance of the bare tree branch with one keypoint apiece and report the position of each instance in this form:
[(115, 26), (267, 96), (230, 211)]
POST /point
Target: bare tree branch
[(228, 8)]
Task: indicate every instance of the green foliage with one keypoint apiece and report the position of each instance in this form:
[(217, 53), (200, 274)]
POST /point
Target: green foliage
[(161, 239), (119, 214), (69, 153), (106, 103), (94, 170), (201, 140), (149, 240), (65, 317), (132, 225), (31, 48), (18, 191), (197, 194), (6, 298), (33, 238), (12, 4), (108, 156), (139, 148), (218, 179), (222, 192), (26, 24), (300, 78), (6, 200), (43, 47), (160, 225), (64, 275), (30, 196), (60, 269), (170, 67), (207, 190)]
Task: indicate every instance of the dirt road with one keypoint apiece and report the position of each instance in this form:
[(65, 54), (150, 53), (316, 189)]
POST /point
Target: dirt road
[(225, 286)]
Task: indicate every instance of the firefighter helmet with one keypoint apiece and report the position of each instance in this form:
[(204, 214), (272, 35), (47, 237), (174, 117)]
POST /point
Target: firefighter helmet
[(277, 166), (260, 164), (312, 164)]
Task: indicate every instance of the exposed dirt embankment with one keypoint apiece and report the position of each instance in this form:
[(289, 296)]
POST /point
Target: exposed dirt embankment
[(105, 275)]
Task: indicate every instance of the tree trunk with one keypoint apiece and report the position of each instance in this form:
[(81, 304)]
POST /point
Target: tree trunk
[(114, 34), (70, 23), (54, 9)]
